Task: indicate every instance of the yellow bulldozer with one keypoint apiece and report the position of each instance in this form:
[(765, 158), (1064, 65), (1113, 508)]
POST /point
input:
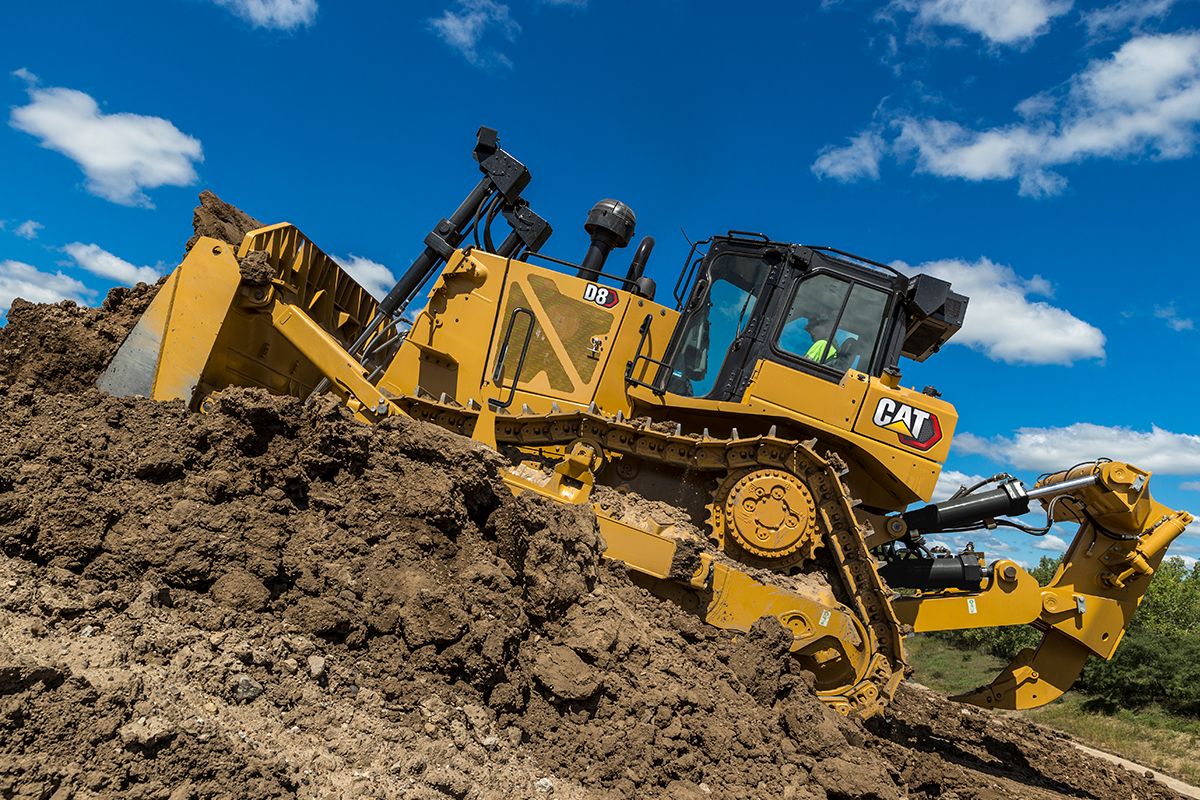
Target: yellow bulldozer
[(748, 448)]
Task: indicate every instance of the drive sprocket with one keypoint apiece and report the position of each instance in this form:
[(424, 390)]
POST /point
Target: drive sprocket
[(768, 514)]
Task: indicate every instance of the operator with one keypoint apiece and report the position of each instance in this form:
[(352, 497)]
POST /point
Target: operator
[(815, 326)]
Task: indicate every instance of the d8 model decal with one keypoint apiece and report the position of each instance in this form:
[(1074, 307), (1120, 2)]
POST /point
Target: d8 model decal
[(600, 295)]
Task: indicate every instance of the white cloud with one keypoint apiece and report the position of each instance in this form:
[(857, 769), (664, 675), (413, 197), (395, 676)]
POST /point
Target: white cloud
[(18, 279), (949, 482), (121, 154), (465, 28), (278, 14), (1006, 322), (1170, 315), (857, 160), (28, 229), (1124, 16), (373, 276), (1190, 486), (1049, 449), (1036, 106), (1143, 100), (1009, 22), (99, 261), (1050, 543), (1145, 70)]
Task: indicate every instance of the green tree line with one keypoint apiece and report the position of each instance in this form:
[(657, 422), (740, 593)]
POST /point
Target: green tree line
[(1158, 662)]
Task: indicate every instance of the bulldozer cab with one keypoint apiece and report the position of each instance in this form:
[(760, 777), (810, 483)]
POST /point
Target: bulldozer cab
[(814, 310)]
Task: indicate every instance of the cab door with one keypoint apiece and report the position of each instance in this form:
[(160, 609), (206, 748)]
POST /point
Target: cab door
[(714, 347)]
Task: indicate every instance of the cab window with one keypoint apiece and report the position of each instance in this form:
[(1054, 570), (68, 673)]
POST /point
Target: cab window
[(834, 322), (733, 284)]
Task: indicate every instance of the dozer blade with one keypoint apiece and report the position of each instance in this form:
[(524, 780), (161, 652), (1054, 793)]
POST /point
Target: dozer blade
[(282, 324), (165, 354)]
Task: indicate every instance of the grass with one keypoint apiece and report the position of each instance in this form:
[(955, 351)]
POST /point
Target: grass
[(1149, 736), (948, 669)]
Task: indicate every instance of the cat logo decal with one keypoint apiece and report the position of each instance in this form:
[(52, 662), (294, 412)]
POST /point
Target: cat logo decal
[(915, 427)]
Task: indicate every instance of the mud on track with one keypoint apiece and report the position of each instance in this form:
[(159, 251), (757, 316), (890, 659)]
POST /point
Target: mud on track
[(272, 600)]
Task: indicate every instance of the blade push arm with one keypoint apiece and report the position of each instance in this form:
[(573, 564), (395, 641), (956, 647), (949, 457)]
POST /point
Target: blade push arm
[(1123, 536)]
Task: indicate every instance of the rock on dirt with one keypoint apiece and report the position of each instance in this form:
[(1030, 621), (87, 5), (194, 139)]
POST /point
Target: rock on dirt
[(146, 732), (239, 589), (279, 599), (316, 667)]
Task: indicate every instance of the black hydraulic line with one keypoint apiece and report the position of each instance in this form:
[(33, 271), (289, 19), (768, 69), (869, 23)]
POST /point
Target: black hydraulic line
[(449, 231), (997, 478), (504, 178), (637, 267), (487, 227), (966, 512), (484, 211)]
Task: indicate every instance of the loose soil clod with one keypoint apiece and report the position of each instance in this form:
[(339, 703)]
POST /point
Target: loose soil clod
[(271, 600), (220, 220)]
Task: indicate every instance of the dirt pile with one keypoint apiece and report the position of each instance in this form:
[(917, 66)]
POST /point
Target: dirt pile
[(64, 347), (278, 596), (220, 220), (271, 600)]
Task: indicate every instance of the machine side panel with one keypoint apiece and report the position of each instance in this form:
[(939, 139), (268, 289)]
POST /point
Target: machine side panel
[(806, 397), (612, 392), (896, 476), (910, 422), (569, 342), (583, 337), (442, 352)]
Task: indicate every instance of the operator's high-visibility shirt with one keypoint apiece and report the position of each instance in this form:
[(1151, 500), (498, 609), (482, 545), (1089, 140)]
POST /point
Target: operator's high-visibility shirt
[(818, 348)]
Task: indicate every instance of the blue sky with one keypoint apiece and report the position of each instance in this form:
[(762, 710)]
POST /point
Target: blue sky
[(1038, 153)]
